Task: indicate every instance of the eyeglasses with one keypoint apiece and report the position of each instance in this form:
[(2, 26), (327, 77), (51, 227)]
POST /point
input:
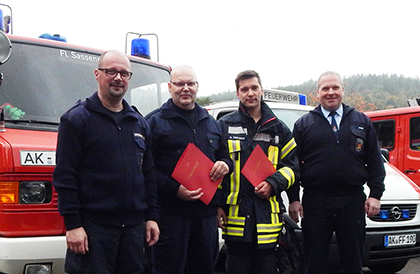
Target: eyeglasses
[(182, 84), (113, 73)]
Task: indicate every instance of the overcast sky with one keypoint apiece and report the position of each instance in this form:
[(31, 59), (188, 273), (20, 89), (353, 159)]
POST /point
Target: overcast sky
[(287, 42)]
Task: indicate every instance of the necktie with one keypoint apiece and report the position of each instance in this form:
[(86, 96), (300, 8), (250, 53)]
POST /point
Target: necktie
[(334, 123)]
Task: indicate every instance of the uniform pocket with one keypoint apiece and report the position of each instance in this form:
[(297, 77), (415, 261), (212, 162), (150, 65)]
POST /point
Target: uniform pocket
[(358, 139), (213, 141), (75, 263), (141, 147)]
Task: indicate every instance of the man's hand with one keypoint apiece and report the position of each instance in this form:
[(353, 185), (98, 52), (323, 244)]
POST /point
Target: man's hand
[(372, 206), (221, 217), (189, 195), (152, 233), (219, 170), (77, 240), (264, 190), (295, 211)]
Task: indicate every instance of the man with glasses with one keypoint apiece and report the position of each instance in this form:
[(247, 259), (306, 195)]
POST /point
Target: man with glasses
[(189, 236), (104, 177)]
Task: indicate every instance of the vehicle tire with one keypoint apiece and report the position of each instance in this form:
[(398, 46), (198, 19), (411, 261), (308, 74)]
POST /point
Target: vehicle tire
[(388, 268)]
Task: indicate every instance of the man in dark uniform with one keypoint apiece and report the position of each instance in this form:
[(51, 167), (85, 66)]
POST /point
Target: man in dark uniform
[(338, 153), (104, 177), (189, 235)]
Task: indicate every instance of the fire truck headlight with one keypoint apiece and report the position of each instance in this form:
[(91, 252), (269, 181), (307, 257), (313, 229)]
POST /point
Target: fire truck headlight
[(38, 269), (34, 192)]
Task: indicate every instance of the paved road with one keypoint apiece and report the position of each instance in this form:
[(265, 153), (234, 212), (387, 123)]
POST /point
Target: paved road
[(413, 267)]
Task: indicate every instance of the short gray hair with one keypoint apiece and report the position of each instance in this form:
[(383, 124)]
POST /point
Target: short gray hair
[(329, 73)]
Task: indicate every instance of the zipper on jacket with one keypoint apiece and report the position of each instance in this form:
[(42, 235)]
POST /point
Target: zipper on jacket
[(195, 134), (262, 125)]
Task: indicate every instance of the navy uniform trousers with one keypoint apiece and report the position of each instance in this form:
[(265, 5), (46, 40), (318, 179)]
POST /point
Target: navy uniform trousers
[(323, 215), (186, 245)]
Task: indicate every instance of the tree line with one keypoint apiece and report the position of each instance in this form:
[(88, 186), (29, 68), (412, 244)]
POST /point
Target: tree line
[(365, 92)]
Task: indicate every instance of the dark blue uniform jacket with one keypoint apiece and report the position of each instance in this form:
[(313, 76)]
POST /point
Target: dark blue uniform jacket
[(171, 134), (343, 167), (104, 170)]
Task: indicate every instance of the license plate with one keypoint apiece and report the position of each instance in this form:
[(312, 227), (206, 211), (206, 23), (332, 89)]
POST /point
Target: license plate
[(400, 240), (37, 158)]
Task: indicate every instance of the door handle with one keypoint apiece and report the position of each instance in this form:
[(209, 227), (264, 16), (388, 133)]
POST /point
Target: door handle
[(410, 171)]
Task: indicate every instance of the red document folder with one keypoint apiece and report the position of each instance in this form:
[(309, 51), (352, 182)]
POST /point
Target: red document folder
[(193, 172), (257, 168)]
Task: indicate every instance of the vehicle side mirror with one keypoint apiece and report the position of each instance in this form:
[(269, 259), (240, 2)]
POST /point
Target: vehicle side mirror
[(5, 48)]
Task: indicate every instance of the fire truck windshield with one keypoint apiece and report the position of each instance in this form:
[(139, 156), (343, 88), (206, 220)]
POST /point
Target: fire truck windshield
[(41, 81)]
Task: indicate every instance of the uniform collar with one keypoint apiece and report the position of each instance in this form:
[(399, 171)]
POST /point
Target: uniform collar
[(339, 111)]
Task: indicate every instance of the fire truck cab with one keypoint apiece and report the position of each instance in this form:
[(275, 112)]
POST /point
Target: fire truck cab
[(398, 131), (40, 80)]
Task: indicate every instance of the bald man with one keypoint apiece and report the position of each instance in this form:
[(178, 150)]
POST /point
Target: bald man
[(189, 237), (104, 177)]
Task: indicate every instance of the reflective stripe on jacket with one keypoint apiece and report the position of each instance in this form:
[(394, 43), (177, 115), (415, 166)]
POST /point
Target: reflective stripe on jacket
[(247, 214)]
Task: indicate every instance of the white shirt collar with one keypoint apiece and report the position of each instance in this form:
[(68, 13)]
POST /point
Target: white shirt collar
[(339, 111)]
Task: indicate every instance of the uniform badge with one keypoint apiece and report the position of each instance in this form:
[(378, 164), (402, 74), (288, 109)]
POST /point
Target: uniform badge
[(359, 144), (237, 133)]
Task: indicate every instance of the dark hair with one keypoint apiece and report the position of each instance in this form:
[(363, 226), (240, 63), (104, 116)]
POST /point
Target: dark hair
[(247, 74)]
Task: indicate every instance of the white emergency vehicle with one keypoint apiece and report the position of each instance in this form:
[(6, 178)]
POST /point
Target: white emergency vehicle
[(391, 236)]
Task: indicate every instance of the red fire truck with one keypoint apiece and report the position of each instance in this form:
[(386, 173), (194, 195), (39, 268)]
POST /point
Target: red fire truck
[(398, 131), (39, 80)]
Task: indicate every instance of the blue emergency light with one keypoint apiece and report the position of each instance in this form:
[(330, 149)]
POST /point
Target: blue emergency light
[(384, 214), (140, 47), (1, 21), (5, 21), (302, 99), (55, 37), (406, 213)]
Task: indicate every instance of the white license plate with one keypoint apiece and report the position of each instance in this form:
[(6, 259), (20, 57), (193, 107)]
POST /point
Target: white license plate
[(400, 240), (37, 158)]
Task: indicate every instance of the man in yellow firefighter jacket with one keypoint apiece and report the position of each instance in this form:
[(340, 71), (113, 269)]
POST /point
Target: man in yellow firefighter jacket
[(251, 216)]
